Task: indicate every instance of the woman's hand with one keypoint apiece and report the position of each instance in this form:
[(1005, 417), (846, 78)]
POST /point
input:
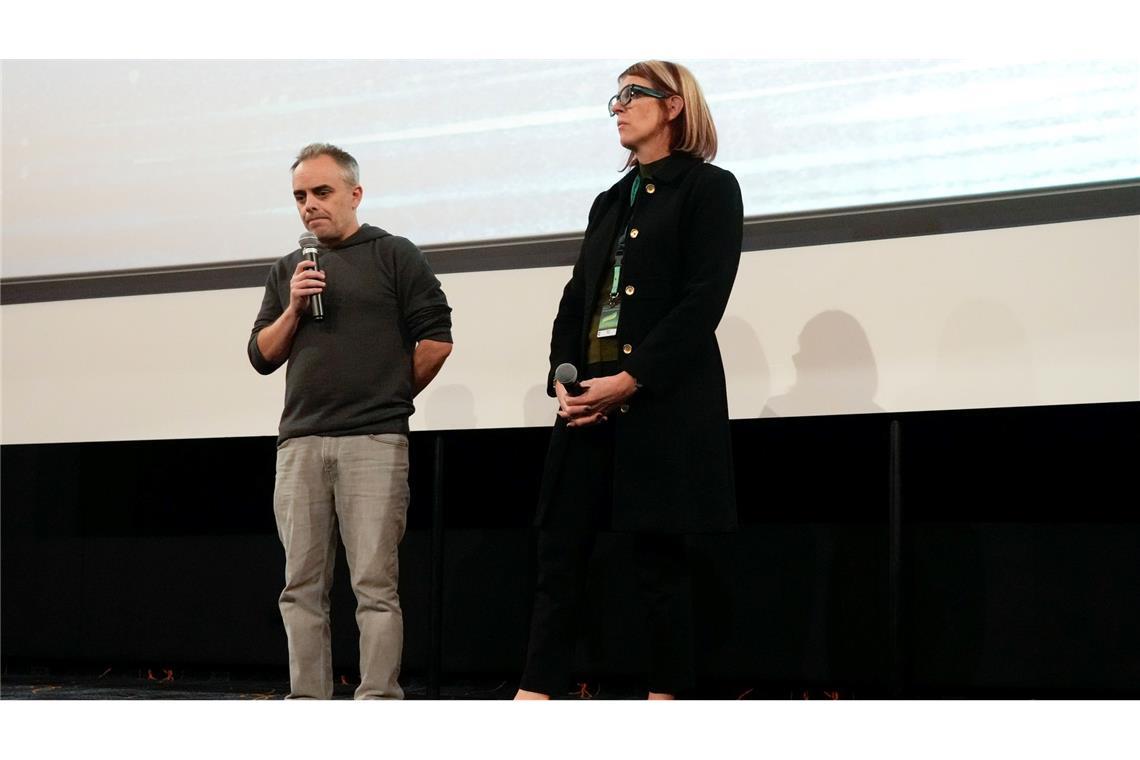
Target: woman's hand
[(602, 395)]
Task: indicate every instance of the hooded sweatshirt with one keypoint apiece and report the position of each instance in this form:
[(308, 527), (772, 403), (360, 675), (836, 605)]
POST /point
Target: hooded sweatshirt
[(351, 373)]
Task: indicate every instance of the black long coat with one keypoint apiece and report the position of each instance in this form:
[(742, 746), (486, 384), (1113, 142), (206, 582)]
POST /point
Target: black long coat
[(673, 454)]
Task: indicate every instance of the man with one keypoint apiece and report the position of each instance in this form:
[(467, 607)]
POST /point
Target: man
[(342, 448)]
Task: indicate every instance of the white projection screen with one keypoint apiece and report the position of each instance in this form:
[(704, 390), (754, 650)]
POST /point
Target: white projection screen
[(112, 165), (117, 165)]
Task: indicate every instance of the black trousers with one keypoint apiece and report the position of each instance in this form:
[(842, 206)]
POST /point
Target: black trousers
[(665, 588), (564, 549)]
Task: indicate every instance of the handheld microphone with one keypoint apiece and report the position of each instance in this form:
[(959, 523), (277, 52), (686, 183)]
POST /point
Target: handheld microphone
[(310, 249), (567, 374)]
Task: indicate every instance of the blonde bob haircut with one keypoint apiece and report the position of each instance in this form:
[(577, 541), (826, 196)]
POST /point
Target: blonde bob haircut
[(693, 131)]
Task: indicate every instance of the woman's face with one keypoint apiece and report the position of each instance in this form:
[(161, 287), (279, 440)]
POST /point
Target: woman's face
[(643, 120)]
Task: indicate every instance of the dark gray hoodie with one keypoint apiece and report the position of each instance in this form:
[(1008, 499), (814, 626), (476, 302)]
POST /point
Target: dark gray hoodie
[(351, 374)]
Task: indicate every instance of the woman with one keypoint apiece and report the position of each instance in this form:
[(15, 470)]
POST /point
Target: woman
[(645, 447)]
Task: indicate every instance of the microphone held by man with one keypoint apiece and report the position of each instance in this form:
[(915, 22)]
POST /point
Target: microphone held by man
[(310, 249)]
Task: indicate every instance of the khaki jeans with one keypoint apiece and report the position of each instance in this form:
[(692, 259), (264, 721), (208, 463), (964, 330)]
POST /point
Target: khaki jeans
[(361, 483)]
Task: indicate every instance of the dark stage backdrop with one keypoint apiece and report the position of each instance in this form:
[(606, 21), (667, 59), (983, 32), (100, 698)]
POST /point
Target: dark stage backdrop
[(1017, 556)]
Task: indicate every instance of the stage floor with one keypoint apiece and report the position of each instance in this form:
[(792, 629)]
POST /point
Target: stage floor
[(121, 683), (114, 686)]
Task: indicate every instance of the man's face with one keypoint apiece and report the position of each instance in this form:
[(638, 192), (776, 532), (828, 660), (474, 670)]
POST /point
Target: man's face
[(326, 202)]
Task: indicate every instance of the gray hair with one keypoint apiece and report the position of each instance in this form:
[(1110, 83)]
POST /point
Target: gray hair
[(345, 161)]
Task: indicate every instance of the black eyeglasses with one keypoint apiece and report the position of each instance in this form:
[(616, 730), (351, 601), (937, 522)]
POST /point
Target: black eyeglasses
[(631, 91)]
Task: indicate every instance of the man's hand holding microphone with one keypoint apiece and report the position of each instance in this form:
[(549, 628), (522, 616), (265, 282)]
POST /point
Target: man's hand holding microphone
[(308, 280)]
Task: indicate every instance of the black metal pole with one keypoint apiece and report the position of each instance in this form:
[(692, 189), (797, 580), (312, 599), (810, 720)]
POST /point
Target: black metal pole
[(436, 655), (894, 566)]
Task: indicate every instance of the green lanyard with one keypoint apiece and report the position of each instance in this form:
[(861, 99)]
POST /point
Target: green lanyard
[(611, 311), (621, 245)]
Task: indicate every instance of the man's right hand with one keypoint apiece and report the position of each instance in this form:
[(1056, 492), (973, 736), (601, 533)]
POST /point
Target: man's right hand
[(275, 341), (307, 281)]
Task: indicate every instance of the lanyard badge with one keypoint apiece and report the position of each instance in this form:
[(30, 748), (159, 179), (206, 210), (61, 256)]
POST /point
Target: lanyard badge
[(611, 311)]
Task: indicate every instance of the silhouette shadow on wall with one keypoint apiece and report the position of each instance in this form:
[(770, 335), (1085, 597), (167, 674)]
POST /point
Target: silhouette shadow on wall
[(835, 370), (449, 407)]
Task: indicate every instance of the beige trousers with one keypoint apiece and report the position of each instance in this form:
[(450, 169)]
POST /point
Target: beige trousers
[(361, 483)]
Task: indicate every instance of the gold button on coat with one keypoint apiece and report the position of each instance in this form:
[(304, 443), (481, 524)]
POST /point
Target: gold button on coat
[(629, 290), (627, 349), (633, 232), (650, 189)]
